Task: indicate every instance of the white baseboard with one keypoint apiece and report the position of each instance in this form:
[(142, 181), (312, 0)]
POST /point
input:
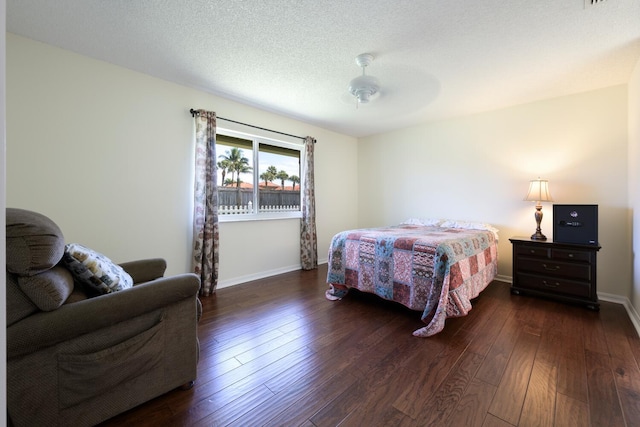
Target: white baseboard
[(250, 277), (506, 279), (262, 275), (631, 311), (617, 299)]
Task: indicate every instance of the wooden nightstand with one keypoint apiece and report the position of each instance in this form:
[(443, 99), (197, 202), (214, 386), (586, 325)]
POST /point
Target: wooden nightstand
[(562, 271)]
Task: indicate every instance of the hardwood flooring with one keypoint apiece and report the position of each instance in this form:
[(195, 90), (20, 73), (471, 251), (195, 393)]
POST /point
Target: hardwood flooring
[(275, 352)]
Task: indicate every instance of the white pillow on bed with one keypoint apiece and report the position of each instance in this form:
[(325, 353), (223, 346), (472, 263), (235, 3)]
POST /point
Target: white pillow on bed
[(470, 226), (427, 222), (430, 222)]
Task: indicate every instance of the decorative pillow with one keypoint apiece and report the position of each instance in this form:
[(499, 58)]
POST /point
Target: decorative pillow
[(94, 270), (49, 289)]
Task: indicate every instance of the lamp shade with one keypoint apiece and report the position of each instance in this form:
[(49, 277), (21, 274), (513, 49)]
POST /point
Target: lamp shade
[(538, 191)]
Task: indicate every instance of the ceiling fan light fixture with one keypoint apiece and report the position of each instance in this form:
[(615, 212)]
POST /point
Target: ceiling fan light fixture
[(364, 87)]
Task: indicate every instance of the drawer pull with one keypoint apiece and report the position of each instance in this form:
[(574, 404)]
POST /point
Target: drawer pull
[(554, 268), (550, 285), (570, 255)]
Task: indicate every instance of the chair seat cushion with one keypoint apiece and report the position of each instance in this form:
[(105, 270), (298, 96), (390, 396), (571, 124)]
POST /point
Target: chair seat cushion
[(94, 270), (34, 242)]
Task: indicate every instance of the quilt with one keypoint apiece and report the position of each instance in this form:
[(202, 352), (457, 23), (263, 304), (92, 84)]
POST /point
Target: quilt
[(433, 269)]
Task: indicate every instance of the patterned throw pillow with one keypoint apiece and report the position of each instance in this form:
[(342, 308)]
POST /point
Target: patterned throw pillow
[(94, 270)]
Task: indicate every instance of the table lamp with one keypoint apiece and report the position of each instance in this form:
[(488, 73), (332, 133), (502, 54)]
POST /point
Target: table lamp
[(538, 192)]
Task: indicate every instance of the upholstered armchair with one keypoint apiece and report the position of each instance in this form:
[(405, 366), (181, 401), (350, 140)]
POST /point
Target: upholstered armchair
[(77, 354)]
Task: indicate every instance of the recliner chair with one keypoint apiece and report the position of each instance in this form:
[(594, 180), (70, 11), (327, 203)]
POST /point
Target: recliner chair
[(76, 359)]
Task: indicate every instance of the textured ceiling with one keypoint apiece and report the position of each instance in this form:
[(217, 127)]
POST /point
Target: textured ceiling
[(434, 59)]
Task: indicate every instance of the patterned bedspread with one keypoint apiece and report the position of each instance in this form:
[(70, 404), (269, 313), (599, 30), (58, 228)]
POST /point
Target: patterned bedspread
[(435, 270)]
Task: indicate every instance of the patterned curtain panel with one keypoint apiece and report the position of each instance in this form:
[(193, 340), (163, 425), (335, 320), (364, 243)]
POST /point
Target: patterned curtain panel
[(205, 206), (308, 238)]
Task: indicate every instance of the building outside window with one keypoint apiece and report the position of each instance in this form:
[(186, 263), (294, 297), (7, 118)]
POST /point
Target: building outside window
[(258, 178)]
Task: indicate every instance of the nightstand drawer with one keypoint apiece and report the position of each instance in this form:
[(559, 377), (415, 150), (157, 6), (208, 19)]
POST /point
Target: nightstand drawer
[(569, 255), (575, 271), (546, 284), (532, 251)]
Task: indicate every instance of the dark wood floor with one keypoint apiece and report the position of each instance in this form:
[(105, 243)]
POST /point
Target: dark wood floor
[(275, 352)]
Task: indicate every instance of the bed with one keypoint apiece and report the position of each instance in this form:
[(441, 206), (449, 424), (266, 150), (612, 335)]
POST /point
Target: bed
[(436, 267)]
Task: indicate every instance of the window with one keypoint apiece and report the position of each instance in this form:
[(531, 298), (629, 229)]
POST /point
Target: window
[(258, 178)]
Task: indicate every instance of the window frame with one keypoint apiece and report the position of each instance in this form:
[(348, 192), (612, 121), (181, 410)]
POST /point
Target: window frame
[(256, 215)]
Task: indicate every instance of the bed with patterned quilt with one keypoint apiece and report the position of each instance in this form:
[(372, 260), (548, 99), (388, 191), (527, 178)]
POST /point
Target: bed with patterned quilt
[(433, 266)]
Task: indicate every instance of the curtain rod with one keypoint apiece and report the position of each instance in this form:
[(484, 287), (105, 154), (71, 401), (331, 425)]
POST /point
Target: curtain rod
[(194, 112)]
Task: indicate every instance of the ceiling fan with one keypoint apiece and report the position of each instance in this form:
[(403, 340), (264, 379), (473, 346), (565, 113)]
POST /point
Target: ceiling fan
[(364, 88)]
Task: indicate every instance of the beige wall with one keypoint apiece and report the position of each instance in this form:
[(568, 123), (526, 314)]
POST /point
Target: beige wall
[(634, 179), (478, 167), (108, 154)]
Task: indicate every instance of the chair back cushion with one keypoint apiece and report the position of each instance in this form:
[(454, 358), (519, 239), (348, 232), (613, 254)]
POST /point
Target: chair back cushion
[(34, 242), (35, 246)]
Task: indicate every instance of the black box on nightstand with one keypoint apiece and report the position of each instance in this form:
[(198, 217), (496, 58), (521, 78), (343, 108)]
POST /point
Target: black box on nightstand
[(575, 224)]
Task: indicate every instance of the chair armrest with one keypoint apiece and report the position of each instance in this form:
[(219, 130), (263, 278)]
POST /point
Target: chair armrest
[(45, 329), (145, 270)]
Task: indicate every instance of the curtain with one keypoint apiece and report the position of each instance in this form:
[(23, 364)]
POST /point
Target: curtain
[(308, 238), (205, 206)]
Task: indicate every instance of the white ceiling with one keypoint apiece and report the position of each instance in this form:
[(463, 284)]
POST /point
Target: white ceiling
[(434, 59)]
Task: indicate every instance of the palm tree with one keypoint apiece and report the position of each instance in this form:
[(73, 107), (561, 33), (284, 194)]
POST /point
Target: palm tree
[(235, 162), (282, 176), (223, 165), (265, 177), (269, 175), (294, 180), (242, 167)]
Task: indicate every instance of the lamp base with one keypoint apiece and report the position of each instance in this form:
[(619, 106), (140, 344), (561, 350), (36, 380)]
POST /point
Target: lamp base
[(538, 215), (538, 236)]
